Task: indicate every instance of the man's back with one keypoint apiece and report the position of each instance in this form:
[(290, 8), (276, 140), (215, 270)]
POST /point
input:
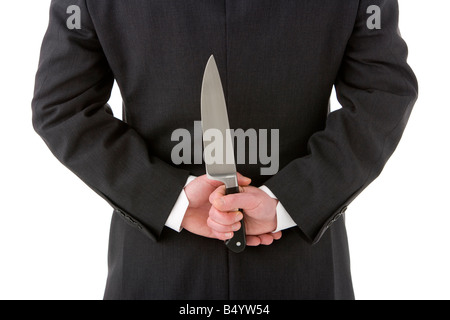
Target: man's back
[(278, 63)]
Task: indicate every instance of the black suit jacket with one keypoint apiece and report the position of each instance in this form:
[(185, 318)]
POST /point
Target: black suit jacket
[(279, 61)]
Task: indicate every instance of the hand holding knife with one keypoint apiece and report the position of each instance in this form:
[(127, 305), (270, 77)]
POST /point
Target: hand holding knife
[(215, 117)]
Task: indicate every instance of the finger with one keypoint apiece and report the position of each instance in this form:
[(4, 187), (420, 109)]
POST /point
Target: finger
[(242, 180), (243, 200), (216, 194), (225, 218), (223, 228), (266, 239), (253, 241), (277, 235), (221, 192), (213, 183), (223, 235)]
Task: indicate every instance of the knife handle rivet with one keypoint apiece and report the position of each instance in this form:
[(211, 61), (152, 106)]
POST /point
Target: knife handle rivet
[(238, 244)]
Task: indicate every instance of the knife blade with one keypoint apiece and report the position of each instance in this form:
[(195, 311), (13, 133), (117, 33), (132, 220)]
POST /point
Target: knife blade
[(221, 166)]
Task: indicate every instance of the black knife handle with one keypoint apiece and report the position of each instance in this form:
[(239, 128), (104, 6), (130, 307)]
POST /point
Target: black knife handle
[(237, 243)]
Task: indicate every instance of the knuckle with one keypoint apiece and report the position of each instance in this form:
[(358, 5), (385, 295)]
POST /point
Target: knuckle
[(230, 218), (212, 213), (210, 223), (213, 197), (223, 218)]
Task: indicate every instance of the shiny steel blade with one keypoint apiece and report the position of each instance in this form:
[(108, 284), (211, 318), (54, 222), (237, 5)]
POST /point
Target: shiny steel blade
[(220, 164)]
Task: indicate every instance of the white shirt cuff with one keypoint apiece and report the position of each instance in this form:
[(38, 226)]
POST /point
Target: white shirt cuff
[(284, 220), (176, 216)]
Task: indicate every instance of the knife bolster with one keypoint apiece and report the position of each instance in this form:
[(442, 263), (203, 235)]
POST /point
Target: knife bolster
[(230, 180)]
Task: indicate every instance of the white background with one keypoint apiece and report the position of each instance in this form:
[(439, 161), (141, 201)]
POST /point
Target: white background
[(54, 230)]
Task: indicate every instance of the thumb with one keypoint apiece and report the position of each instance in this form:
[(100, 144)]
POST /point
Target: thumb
[(242, 180)]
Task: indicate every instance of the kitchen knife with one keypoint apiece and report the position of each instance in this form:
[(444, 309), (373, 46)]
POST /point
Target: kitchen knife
[(221, 166)]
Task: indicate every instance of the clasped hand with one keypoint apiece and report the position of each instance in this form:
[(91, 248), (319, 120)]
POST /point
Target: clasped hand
[(213, 214)]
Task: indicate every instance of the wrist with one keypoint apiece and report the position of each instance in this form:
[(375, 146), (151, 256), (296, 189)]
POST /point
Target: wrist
[(274, 220), (188, 189), (270, 222)]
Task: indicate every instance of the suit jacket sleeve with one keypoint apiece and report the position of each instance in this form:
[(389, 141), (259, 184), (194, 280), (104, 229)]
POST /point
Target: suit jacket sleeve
[(70, 113), (377, 91)]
